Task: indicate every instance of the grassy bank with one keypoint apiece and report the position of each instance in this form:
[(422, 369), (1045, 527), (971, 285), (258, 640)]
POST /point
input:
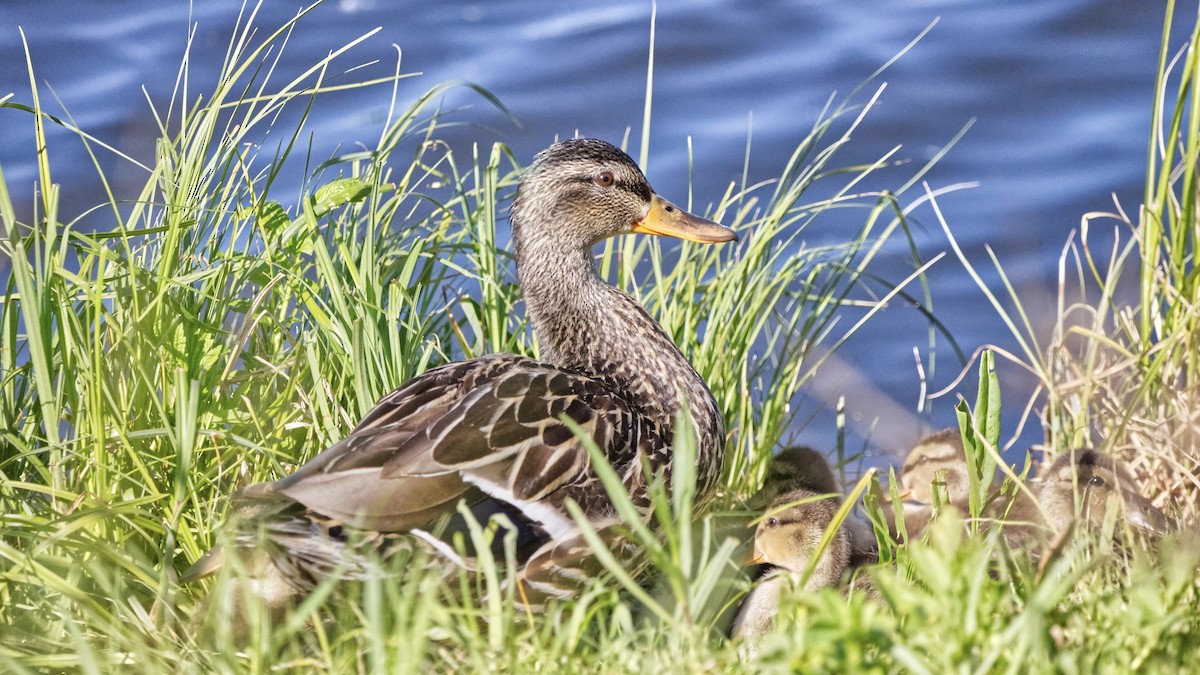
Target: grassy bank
[(227, 328)]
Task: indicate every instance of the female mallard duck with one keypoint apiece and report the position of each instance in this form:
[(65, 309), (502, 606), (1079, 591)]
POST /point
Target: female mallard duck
[(490, 432), (1093, 481), (787, 538)]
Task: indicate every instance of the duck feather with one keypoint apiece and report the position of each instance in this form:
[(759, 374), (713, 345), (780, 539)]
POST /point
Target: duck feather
[(390, 474)]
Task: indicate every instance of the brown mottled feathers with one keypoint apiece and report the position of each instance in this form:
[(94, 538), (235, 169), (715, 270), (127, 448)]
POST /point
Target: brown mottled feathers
[(494, 422), (492, 434)]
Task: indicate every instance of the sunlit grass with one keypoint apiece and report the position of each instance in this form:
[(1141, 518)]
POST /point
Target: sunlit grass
[(1118, 370), (225, 329)]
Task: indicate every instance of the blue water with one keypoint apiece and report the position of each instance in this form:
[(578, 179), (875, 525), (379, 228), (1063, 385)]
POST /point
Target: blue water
[(1060, 92)]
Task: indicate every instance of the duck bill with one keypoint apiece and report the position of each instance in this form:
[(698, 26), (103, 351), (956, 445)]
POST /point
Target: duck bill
[(905, 495), (756, 557), (749, 556), (1143, 515), (664, 219)]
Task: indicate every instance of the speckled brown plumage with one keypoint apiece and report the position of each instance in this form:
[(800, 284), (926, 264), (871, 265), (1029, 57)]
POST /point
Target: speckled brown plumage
[(488, 432)]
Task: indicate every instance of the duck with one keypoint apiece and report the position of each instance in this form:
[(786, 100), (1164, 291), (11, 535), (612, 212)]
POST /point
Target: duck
[(1077, 487), (799, 467), (488, 434), (935, 461), (787, 538)]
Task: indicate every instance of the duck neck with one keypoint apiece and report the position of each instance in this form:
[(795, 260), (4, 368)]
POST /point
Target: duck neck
[(561, 290), (587, 326)]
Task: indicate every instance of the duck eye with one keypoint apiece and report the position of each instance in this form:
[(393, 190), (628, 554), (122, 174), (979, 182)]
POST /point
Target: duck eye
[(604, 179), (1096, 481)]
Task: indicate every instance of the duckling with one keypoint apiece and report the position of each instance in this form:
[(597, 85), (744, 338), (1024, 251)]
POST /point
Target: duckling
[(800, 467), (787, 538), (1098, 481), (793, 468), (937, 458)]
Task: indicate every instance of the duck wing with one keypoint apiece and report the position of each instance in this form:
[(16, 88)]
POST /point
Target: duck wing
[(490, 428)]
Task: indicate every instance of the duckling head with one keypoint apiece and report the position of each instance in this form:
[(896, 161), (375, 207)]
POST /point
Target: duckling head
[(939, 459), (794, 468), (790, 534), (1099, 482)]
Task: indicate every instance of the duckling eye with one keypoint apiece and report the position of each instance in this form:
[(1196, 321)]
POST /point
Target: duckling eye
[(604, 179), (772, 522), (1096, 481)]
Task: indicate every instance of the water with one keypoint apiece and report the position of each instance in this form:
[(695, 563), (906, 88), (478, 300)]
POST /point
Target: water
[(1060, 91)]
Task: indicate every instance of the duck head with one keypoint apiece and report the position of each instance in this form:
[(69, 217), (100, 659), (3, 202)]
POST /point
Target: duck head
[(579, 192), (793, 468)]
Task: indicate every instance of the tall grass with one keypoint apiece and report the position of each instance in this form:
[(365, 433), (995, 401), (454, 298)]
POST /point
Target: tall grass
[(223, 330), (1118, 371)]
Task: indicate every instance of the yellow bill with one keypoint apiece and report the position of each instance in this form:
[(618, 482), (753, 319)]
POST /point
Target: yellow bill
[(667, 220)]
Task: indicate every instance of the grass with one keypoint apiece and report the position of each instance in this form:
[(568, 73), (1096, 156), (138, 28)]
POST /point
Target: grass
[(224, 329), (1119, 369)]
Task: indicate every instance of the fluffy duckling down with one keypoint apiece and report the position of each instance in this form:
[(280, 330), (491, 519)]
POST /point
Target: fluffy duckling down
[(1078, 488), (789, 538), (800, 467)]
